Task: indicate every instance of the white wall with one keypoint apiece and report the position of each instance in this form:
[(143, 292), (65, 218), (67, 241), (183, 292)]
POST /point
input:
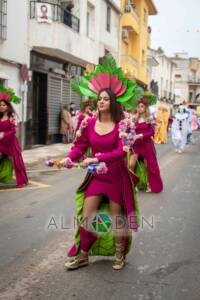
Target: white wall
[(62, 37), (59, 36), (109, 40), (15, 47), (163, 74), (13, 82)]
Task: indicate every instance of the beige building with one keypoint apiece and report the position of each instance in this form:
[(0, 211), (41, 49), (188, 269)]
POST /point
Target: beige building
[(194, 81), (187, 78), (181, 77)]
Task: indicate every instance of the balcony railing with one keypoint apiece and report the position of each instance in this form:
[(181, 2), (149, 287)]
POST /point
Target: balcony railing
[(58, 14), (194, 80), (129, 9)]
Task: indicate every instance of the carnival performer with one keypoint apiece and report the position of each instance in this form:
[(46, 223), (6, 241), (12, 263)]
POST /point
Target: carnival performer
[(162, 119), (9, 146), (85, 111), (113, 191), (180, 129), (194, 121), (189, 111), (143, 150)]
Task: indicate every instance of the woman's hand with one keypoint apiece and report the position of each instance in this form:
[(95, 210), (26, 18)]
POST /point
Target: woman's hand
[(89, 160), (126, 148), (1, 135), (66, 162), (138, 136)]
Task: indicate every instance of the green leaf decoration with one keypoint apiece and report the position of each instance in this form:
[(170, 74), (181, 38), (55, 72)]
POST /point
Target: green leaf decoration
[(14, 99), (108, 62), (120, 73), (105, 244), (152, 98), (100, 69), (84, 83), (125, 97), (88, 93), (125, 81)]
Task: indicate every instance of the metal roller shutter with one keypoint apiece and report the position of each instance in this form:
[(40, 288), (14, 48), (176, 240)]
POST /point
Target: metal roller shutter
[(65, 92), (54, 103), (68, 95)]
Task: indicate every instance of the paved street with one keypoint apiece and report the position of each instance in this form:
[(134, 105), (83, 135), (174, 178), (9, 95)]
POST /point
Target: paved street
[(163, 264)]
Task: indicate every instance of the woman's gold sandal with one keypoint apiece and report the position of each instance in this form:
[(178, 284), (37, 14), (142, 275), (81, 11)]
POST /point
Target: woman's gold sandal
[(119, 263), (77, 262)]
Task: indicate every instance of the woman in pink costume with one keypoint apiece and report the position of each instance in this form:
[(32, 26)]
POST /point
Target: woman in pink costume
[(84, 112), (9, 144), (144, 148), (102, 135), (114, 187)]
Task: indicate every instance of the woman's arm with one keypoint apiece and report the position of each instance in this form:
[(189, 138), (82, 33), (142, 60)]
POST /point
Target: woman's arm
[(81, 145), (9, 134), (149, 133)]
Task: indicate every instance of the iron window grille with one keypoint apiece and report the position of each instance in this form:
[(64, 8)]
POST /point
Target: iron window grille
[(3, 20)]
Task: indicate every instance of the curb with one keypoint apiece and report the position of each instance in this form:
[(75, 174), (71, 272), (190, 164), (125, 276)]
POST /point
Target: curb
[(29, 162)]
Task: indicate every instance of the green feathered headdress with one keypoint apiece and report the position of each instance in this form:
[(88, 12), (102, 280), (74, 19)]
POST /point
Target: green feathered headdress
[(147, 99), (7, 94), (108, 75)]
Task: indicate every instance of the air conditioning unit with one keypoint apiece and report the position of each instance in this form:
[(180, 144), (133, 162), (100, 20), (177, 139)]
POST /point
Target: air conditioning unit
[(125, 34), (127, 8)]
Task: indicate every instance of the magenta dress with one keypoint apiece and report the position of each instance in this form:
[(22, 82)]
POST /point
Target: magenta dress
[(145, 148), (116, 184), (9, 146), (81, 117)]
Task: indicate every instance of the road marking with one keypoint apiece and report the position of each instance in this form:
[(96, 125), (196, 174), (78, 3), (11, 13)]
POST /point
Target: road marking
[(45, 170), (36, 185)]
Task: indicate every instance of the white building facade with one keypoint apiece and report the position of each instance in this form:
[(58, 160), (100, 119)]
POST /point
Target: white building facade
[(55, 39), (14, 50), (161, 76)]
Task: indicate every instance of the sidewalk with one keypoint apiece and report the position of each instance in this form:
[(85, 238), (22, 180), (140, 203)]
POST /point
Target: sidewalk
[(39, 154)]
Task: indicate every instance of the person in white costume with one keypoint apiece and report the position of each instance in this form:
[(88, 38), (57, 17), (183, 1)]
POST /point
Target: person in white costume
[(180, 129)]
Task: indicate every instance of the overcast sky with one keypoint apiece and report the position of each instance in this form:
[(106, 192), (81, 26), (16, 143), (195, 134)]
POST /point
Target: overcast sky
[(177, 26)]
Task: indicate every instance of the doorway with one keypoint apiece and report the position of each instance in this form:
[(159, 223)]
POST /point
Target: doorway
[(40, 124)]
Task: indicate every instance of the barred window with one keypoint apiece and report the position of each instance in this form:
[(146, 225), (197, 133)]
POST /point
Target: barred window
[(3, 19), (108, 19), (2, 82)]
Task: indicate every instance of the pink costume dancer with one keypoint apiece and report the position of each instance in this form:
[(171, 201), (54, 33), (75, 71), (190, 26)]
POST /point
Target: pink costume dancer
[(9, 144), (116, 183), (144, 148), (84, 112), (114, 189)]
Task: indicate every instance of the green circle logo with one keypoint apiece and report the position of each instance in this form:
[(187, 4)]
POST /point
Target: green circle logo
[(102, 223)]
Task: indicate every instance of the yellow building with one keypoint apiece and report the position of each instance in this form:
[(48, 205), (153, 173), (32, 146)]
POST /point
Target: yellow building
[(135, 38)]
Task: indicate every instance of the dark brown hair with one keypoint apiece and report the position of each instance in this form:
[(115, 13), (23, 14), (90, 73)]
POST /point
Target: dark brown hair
[(116, 110), (10, 109)]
